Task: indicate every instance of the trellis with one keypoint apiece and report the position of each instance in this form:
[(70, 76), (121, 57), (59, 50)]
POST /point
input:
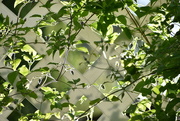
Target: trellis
[(111, 111)]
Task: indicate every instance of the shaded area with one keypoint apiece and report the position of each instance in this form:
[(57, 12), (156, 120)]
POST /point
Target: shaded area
[(20, 111), (24, 11)]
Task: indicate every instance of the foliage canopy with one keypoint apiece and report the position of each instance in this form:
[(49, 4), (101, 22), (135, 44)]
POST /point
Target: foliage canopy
[(141, 50)]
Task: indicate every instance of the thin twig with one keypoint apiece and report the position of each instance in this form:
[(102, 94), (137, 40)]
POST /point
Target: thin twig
[(137, 25), (122, 89)]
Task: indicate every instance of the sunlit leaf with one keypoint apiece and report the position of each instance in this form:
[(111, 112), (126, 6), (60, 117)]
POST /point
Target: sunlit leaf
[(44, 69), (17, 2), (46, 89), (26, 58), (113, 98), (24, 70), (57, 114), (82, 41), (15, 63), (83, 49), (27, 48), (39, 31), (156, 89)]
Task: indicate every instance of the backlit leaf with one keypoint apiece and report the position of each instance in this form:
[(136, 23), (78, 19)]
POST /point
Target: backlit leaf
[(24, 70), (46, 89), (15, 63), (156, 90), (27, 48), (83, 49), (17, 2)]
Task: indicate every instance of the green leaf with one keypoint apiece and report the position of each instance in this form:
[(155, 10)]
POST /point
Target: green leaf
[(139, 86), (12, 77), (15, 63), (171, 104), (76, 80), (39, 31), (1, 19), (95, 101), (6, 100), (36, 15), (62, 11), (17, 2), (43, 69), (156, 89), (83, 49), (122, 19), (26, 58), (7, 21), (113, 98), (82, 84), (131, 109), (32, 94), (57, 114), (145, 92), (47, 89), (49, 51), (131, 70), (127, 32), (48, 4), (27, 48), (24, 70), (77, 113), (82, 41)]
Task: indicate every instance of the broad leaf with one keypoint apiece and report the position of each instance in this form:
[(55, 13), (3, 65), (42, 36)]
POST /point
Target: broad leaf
[(17, 2), (95, 101), (15, 63), (83, 49), (24, 70), (12, 77), (122, 19)]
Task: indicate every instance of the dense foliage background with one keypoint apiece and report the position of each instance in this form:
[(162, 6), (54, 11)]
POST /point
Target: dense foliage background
[(141, 49)]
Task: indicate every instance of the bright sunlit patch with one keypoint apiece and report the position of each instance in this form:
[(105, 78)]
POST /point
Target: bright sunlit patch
[(142, 2)]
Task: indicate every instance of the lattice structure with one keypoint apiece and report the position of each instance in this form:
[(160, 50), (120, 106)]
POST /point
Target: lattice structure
[(111, 111)]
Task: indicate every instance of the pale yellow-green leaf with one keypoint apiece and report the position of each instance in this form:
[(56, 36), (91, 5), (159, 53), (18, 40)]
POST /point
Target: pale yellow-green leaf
[(26, 58), (17, 2), (83, 49), (27, 48), (57, 114), (24, 70), (46, 89), (39, 32), (15, 63), (110, 30), (156, 90), (48, 116), (142, 107)]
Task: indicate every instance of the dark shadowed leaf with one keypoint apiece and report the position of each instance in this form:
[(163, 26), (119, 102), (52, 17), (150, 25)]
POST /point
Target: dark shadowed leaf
[(12, 77), (95, 101)]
